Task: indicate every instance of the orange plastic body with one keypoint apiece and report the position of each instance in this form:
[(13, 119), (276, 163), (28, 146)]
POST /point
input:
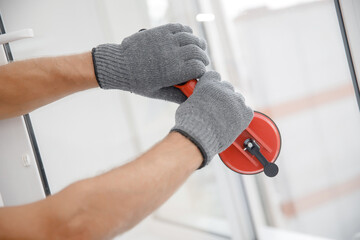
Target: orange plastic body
[(188, 87), (262, 129)]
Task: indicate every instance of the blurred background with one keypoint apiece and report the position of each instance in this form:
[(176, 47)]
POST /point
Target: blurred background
[(287, 58)]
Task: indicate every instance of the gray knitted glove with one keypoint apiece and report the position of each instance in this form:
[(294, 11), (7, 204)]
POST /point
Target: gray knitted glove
[(151, 62), (213, 116)]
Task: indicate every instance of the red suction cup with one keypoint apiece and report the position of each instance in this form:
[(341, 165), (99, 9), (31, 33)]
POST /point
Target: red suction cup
[(255, 149)]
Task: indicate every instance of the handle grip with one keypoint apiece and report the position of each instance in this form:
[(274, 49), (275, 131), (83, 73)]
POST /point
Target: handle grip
[(17, 35), (188, 87)]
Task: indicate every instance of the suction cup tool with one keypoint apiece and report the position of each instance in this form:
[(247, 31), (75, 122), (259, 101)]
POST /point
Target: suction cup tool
[(255, 149)]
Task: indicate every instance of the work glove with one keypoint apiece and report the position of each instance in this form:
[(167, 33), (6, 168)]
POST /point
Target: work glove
[(213, 116), (151, 62)]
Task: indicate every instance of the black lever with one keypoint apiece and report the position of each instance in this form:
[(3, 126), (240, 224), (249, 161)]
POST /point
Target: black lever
[(270, 169)]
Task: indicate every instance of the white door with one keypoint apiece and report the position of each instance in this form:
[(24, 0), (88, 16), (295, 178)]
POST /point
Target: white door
[(21, 176)]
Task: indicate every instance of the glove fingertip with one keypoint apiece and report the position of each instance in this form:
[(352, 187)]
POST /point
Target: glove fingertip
[(249, 113), (211, 76), (193, 68), (202, 44), (188, 29), (229, 86), (178, 27)]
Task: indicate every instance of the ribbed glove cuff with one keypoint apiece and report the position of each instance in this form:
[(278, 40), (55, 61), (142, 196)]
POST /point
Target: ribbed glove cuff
[(111, 68), (192, 127)]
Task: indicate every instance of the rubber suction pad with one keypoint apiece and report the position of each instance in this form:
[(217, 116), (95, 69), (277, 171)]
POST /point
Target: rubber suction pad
[(266, 134)]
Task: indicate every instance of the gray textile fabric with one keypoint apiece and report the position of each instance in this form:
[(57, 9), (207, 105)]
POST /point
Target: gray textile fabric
[(152, 61), (213, 116)]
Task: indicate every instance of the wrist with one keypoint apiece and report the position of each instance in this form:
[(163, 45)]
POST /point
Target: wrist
[(81, 74), (191, 154), (195, 128), (87, 70), (195, 143)]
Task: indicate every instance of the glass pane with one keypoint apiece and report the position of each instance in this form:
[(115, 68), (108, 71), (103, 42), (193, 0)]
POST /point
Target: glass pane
[(293, 66), (348, 14)]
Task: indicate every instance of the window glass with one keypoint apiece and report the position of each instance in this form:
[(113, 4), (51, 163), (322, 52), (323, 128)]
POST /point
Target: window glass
[(291, 60)]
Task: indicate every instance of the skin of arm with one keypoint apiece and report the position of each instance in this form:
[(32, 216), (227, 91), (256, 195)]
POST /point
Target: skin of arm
[(27, 85), (94, 208), (109, 204)]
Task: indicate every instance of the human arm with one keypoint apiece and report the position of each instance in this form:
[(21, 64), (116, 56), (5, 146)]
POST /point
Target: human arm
[(109, 204), (148, 63), (112, 203), (30, 84)]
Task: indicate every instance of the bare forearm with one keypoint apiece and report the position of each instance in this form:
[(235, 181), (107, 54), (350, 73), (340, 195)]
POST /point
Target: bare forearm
[(114, 202), (27, 85), (109, 204)]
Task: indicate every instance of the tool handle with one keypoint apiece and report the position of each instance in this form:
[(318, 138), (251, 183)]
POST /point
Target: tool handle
[(270, 169), (188, 87)]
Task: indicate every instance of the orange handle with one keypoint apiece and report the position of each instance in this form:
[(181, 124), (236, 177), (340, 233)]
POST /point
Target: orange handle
[(188, 87)]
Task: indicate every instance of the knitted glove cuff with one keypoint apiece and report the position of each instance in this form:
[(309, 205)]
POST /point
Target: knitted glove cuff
[(111, 67)]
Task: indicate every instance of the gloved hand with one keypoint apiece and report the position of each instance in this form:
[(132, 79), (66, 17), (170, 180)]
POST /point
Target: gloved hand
[(152, 61), (213, 116)]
